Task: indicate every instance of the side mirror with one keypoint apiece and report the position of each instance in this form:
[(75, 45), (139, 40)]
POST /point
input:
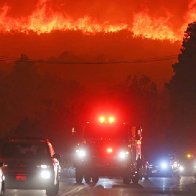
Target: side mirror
[(56, 156)]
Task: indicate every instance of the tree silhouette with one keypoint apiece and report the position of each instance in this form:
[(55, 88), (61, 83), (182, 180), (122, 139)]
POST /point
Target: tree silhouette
[(142, 98), (182, 87), (34, 102), (183, 81), (20, 91), (142, 91)]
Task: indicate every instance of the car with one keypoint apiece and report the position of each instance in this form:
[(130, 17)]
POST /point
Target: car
[(187, 167), (30, 163), (2, 181), (160, 168)]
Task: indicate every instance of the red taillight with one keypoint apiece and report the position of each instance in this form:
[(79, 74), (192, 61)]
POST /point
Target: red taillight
[(109, 150), (20, 177)]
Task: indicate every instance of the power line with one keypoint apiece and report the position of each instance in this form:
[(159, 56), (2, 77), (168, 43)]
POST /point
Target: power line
[(133, 61)]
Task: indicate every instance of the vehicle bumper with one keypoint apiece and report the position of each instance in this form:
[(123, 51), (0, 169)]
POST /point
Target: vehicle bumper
[(104, 169), (27, 181), (160, 173), (188, 172)]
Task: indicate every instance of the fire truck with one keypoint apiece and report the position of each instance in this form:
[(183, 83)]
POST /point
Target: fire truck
[(108, 147)]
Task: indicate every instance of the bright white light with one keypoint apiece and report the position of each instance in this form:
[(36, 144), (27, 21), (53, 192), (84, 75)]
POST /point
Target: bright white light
[(111, 119), (102, 119), (109, 150), (45, 174), (81, 153), (175, 165), (43, 166), (181, 168), (164, 165), (123, 154)]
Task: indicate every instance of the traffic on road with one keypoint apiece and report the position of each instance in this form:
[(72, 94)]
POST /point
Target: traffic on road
[(155, 186), (106, 159)]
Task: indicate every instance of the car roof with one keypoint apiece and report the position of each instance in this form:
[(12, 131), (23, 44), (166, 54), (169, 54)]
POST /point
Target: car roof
[(27, 139)]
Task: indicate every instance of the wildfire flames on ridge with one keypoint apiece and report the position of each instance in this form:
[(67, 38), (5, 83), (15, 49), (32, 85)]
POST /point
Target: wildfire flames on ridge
[(46, 19)]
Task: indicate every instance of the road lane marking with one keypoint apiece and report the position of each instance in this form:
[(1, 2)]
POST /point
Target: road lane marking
[(73, 191)]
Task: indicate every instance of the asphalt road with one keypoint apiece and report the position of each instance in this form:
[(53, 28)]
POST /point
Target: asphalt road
[(114, 187)]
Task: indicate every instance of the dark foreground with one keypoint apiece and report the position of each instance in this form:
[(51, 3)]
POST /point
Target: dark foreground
[(113, 187)]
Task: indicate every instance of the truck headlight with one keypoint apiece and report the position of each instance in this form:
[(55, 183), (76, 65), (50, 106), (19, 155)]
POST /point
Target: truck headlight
[(175, 165), (81, 153), (123, 155), (181, 168), (45, 174)]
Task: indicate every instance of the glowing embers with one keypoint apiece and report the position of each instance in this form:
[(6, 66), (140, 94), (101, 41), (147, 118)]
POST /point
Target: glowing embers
[(107, 120)]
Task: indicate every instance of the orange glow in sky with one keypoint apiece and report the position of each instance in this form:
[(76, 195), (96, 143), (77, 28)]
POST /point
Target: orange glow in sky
[(97, 31)]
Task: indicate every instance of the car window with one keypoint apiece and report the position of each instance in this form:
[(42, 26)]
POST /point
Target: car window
[(14, 149), (107, 133)]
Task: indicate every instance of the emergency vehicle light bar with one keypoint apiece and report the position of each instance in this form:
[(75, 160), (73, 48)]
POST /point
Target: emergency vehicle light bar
[(103, 119), (109, 150)]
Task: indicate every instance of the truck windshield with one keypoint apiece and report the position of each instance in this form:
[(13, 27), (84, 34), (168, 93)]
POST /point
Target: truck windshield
[(23, 150), (106, 132)]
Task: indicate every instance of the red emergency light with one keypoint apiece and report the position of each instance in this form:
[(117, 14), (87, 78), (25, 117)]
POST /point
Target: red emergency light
[(109, 150), (103, 119), (111, 119)]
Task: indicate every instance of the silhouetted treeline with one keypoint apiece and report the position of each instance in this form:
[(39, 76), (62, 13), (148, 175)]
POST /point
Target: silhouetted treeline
[(182, 89), (37, 103)]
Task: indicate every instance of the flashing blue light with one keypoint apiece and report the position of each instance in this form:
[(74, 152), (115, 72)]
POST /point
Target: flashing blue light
[(164, 165)]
